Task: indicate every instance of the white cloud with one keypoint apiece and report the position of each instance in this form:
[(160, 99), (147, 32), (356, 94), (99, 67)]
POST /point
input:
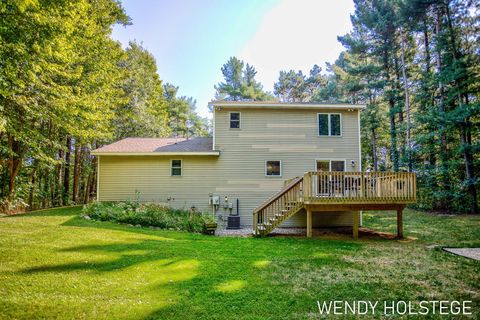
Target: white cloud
[(296, 34)]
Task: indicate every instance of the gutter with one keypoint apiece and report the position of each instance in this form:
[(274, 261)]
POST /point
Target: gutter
[(267, 105), (200, 153)]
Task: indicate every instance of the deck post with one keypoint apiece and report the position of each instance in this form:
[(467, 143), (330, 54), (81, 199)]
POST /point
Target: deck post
[(356, 223), (309, 223), (400, 223)]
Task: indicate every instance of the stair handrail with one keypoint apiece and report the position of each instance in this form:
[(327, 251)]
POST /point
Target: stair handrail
[(278, 195)]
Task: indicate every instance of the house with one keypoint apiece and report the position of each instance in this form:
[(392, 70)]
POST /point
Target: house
[(273, 163)]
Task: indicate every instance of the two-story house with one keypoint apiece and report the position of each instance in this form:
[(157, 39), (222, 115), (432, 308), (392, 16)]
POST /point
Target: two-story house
[(250, 165)]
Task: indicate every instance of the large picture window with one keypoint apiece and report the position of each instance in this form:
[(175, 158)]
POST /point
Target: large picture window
[(329, 124), (234, 120), (176, 168), (273, 168)]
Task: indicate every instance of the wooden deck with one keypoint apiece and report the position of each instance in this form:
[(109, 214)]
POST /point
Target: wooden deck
[(359, 187), (337, 191)]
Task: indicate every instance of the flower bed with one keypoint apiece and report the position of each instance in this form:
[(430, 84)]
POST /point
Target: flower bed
[(147, 215)]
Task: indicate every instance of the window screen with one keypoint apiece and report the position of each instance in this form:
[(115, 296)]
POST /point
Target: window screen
[(329, 124), (338, 166), (335, 125), (273, 168), (176, 167), (235, 120), (323, 124), (323, 165), (330, 165)]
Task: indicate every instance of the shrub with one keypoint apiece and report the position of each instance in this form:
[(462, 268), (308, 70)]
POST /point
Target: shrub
[(156, 215)]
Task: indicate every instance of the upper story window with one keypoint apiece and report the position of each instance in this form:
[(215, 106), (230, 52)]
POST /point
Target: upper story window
[(176, 168), (329, 124), (273, 168), (234, 120)]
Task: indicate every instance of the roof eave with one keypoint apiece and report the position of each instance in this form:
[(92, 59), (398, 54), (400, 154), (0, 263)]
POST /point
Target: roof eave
[(271, 105), (153, 153)]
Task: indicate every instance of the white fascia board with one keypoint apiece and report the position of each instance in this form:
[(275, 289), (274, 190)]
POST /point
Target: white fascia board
[(206, 153), (227, 105)]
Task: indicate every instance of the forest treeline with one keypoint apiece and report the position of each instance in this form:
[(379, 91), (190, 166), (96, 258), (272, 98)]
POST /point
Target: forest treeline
[(66, 88), (416, 66)]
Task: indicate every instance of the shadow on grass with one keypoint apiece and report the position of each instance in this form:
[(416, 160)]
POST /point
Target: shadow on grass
[(50, 212), (208, 275)]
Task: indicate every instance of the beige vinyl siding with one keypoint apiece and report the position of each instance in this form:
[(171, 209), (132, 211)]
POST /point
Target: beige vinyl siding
[(290, 136)]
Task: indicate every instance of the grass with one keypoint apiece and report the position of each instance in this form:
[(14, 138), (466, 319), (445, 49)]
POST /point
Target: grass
[(54, 264)]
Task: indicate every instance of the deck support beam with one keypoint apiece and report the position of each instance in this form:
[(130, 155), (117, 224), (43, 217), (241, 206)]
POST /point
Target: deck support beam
[(400, 222), (309, 223), (355, 223)]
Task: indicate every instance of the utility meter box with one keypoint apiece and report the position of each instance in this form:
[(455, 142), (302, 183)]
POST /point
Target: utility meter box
[(214, 200)]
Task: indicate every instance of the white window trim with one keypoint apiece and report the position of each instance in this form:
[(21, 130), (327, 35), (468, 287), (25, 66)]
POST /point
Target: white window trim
[(273, 176), (171, 168), (330, 163), (239, 120), (213, 125), (329, 125), (98, 178)]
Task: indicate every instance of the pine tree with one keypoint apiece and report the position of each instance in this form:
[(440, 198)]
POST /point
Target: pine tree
[(240, 83)]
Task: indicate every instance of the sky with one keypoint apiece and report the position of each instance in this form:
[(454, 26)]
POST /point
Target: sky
[(192, 39)]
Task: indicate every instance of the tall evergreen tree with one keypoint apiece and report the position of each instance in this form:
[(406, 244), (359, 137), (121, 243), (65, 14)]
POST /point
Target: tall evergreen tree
[(240, 83)]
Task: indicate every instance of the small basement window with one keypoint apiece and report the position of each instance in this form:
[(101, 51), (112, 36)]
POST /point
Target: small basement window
[(176, 167), (234, 120), (273, 168), (329, 124)]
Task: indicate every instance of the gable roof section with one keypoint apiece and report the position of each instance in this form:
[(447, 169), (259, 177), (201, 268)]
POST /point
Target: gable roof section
[(159, 146), (284, 105)]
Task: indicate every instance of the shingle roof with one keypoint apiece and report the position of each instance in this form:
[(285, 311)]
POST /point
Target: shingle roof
[(158, 145)]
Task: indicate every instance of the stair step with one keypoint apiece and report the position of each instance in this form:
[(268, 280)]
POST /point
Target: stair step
[(273, 219)]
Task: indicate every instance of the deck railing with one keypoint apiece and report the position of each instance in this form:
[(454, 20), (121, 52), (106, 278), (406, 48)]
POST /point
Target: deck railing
[(359, 187)]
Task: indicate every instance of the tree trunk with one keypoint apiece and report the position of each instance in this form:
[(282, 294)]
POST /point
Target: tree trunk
[(59, 187), (374, 150), (15, 163), (408, 149), (77, 171), (52, 190), (392, 111), (31, 193), (469, 169), (429, 98), (443, 152), (426, 44), (86, 195), (46, 186), (66, 173), (398, 86)]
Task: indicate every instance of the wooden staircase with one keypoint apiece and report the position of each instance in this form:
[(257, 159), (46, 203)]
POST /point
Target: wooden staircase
[(280, 207)]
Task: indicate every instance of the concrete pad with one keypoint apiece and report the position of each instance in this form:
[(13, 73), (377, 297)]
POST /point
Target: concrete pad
[(472, 253)]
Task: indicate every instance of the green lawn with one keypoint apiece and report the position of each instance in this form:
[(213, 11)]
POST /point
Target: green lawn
[(54, 264)]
